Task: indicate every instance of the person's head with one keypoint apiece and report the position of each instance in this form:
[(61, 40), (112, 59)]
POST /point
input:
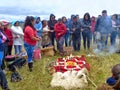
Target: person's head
[(92, 18), (15, 23), (77, 17), (114, 16), (37, 19), (116, 71), (1, 26), (86, 17), (64, 19), (59, 21), (52, 17), (104, 13), (6, 24), (74, 19), (29, 21), (44, 23)]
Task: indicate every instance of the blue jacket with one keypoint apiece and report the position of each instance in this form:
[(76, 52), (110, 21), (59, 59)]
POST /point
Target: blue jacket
[(38, 26), (2, 48), (67, 26), (104, 25)]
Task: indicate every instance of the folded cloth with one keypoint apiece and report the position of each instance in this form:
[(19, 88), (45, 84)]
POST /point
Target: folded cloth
[(111, 81)]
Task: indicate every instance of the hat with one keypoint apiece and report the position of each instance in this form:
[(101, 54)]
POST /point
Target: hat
[(13, 23), (104, 11), (5, 23)]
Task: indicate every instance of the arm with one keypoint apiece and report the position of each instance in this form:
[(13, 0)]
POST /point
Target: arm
[(19, 31), (84, 25)]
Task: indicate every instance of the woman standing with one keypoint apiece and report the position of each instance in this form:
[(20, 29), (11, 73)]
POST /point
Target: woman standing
[(93, 23), (9, 35), (67, 34), (46, 41), (17, 34), (86, 33), (114, 30), (30, 38), (3, 38)]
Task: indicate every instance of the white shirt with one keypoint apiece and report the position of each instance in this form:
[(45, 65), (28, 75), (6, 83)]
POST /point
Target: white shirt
[(17, 34)]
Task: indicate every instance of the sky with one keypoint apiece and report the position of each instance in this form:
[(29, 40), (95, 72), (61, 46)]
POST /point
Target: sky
[(19, 9)]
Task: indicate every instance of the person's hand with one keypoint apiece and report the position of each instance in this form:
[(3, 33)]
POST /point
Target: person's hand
[(95, 33), (90, 27), (73, 29), (59, 34), (16, 37), (82, 30), (51, 30), (68, 29), (38, 38)]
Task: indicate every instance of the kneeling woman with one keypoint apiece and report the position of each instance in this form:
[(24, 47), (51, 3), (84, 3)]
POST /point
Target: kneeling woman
[(30, 39)]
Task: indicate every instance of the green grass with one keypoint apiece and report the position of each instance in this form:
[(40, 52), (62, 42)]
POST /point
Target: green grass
[(40, 78)]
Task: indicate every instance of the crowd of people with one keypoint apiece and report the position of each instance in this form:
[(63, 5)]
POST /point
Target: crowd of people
[(37, 33)]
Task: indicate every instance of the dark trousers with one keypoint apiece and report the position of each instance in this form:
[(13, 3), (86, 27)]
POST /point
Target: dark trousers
[(113, 38), (76, 42), (86, 39), (52, 37), (9, 50), (3, 80), (60, 43)]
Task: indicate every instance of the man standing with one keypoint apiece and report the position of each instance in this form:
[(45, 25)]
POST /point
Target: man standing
[(76, 35), (103, 27)]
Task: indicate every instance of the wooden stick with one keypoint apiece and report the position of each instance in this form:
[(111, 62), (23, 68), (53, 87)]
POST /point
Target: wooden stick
[(92, 82)]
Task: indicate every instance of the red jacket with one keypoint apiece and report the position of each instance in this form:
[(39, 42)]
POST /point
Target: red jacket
[(93, 23), (60, 30), (28, 33), (9, 36)]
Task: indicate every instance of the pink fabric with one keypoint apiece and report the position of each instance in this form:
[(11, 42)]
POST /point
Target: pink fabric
[(4, 38), (37, 54)]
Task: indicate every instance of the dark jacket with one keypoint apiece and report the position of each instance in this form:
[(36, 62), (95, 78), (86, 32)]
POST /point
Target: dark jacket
[(86, 25), (77, 27), (51, 23)]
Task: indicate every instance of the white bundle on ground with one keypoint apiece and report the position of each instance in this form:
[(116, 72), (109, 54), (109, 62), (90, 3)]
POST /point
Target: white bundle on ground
[(70, 79)]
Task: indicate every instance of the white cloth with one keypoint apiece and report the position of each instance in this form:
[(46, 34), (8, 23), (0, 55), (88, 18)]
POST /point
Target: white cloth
[(17, 34), (45, 29)]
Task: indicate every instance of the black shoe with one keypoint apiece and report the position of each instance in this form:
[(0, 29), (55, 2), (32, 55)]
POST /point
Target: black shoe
[(30, 65)]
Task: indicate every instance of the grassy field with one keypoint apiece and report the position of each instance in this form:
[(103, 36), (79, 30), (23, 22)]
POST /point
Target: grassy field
[(40, 78)]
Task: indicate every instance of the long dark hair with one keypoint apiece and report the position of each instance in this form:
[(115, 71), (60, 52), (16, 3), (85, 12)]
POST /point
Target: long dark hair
[(28, 22), (86, 14)]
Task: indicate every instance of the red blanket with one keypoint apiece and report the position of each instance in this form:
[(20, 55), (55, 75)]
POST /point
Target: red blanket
[(71, 63)]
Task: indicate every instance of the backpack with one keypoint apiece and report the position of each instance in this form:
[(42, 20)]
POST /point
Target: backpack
[(18, 62)]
